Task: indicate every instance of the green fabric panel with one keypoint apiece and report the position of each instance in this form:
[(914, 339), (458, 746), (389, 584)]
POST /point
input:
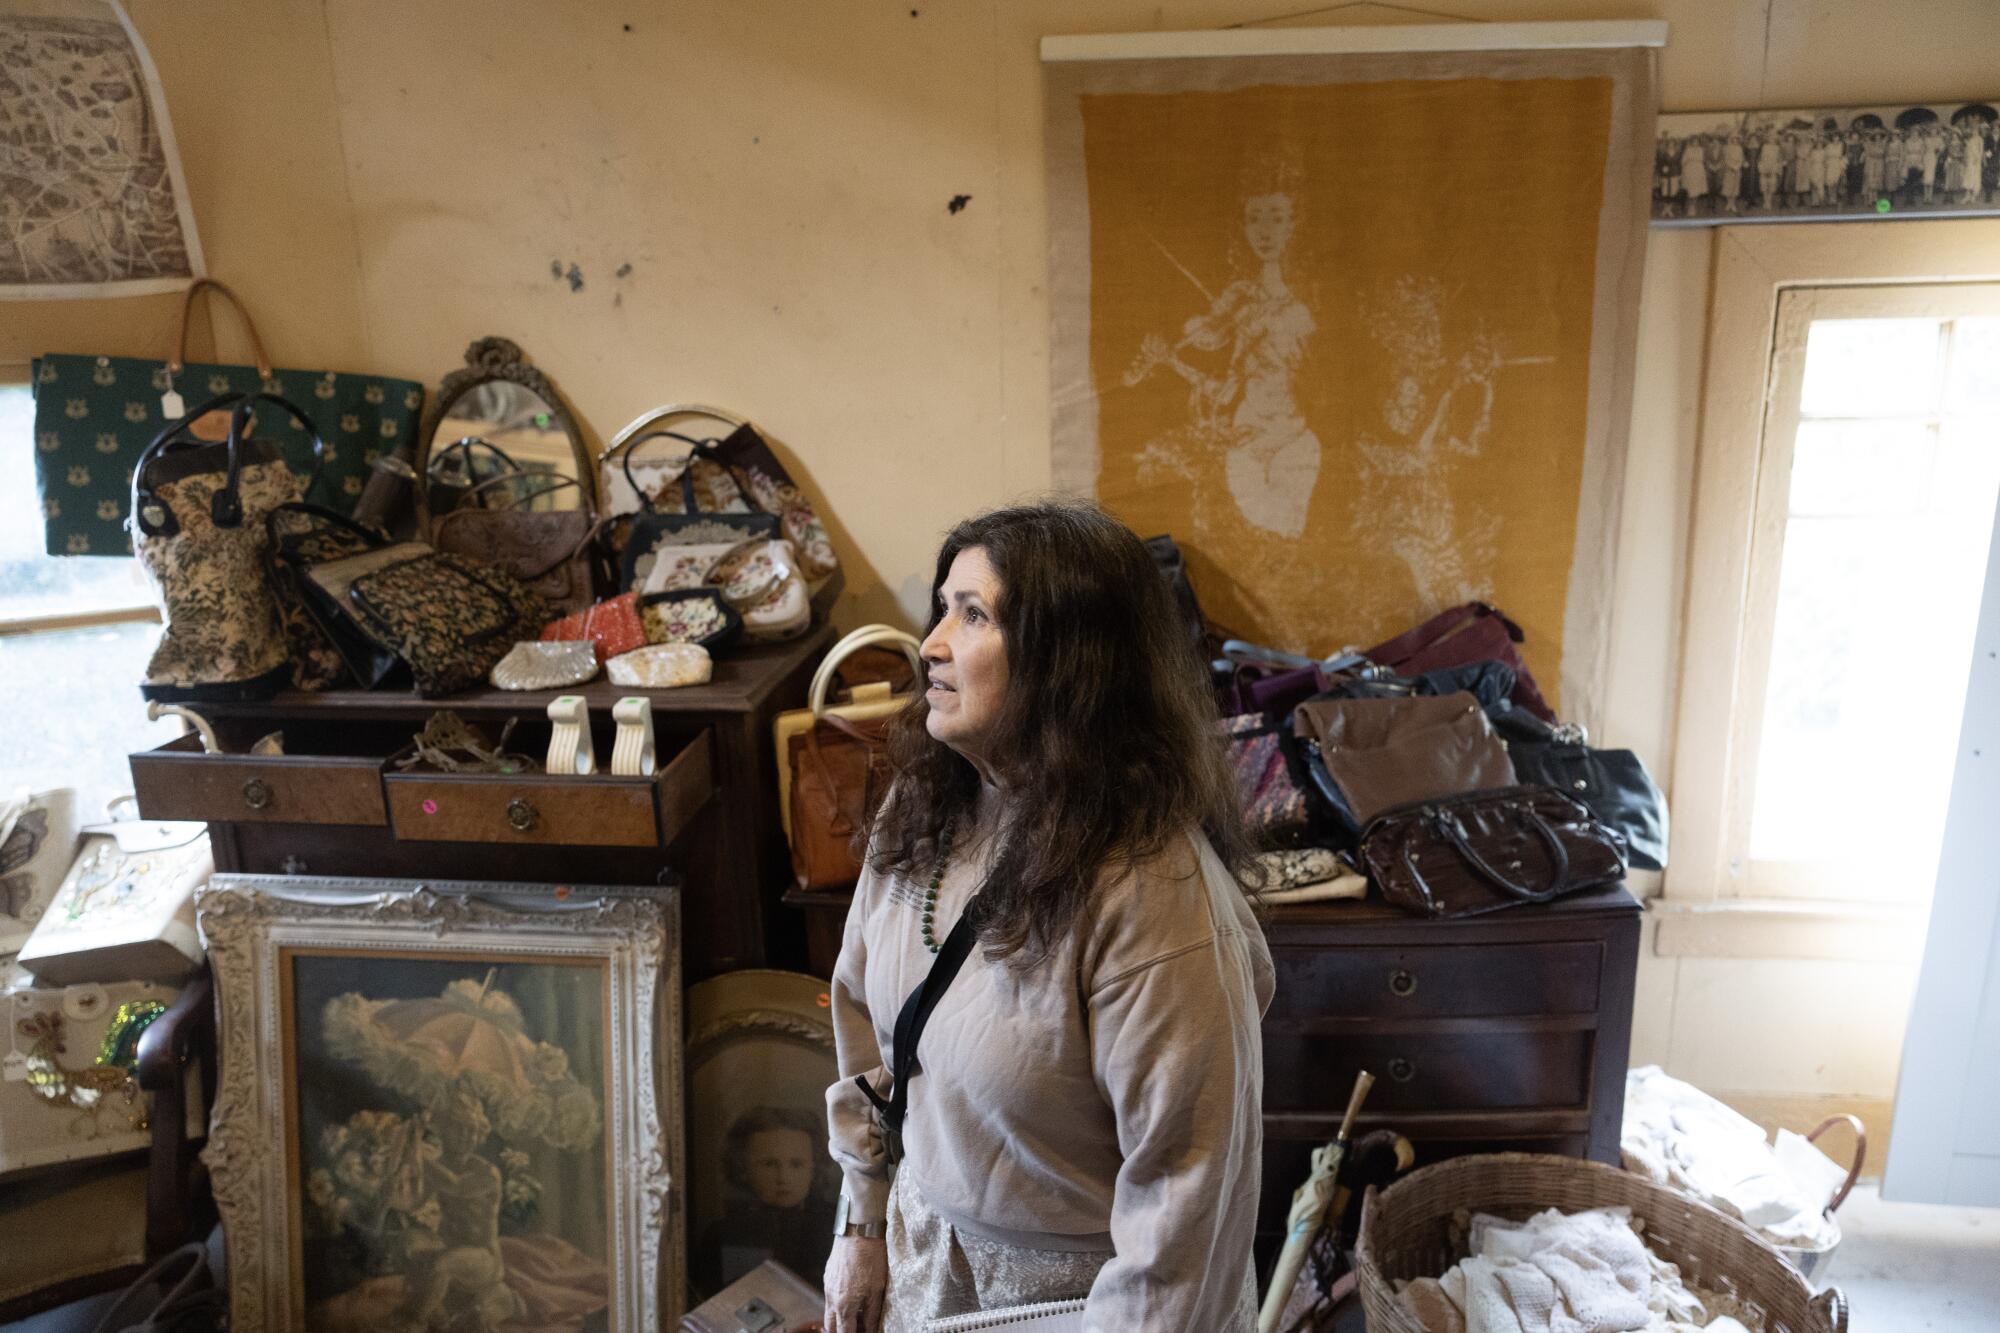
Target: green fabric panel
[(94, 416)]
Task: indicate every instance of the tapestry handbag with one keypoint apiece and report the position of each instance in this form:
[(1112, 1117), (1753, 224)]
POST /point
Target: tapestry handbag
[(198, 529), (698, 616), (699, 506), (1270, 780), (551, 551), (1387, 752), (1612, 784), (450, 618), (94, 416), (1474, 632), (1482, 851), (326, 650), (737, 472)]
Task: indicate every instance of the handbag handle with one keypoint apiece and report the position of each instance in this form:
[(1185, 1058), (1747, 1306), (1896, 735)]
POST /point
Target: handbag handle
[(178, 361), (698, 448), (646, 426), (866, 637), (557, 481), (155, 519), (427, 462), (1558, 858), (319, 514)]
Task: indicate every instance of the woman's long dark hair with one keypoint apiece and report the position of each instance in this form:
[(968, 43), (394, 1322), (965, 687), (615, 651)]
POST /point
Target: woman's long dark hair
[(1107, 732)]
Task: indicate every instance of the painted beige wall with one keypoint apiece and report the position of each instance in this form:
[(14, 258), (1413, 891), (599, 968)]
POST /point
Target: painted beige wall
[(386, 181)]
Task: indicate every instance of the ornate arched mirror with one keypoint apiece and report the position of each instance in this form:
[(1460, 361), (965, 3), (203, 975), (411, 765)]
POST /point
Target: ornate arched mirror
[(500, 436)]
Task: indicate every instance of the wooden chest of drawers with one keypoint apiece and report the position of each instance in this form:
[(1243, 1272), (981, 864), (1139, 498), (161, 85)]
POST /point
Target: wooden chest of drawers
[(1502, 1032)]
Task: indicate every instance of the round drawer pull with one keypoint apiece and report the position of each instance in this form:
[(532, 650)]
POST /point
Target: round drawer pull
[(1403, 982), (256, 793), (522, 814), (1402, 1070)]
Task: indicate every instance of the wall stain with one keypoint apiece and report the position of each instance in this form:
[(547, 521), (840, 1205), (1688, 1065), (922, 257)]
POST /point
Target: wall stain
[(958, 203), (624, 271)]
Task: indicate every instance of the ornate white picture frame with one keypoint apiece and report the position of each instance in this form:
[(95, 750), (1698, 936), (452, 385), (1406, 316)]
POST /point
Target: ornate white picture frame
[(374, 979)]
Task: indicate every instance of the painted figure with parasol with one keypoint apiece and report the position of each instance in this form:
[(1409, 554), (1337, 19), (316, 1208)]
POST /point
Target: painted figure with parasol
[(422, 1190)]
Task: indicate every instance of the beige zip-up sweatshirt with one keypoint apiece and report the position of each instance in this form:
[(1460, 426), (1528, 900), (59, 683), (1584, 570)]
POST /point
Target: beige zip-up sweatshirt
[(1109, 1098)]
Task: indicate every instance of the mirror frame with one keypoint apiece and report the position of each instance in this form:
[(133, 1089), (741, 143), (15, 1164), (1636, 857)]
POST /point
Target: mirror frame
[(501, 359)]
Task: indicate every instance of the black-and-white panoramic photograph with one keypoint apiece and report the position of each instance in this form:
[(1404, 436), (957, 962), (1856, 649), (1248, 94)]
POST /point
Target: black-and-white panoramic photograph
[(1853, 162)]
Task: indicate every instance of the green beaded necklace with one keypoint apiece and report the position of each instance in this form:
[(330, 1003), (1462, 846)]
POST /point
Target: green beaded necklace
[(931, 894)]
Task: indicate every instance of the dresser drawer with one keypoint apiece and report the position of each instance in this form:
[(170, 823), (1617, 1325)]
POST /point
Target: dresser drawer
[(1471, 980), (320, 780), (1492, 1069), (598, 810)]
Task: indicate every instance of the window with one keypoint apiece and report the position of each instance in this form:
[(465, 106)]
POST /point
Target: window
[(1881, 468), (75, 633), (1846, 480)]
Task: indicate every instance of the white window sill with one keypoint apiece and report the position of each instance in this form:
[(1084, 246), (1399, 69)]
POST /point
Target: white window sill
[(1789, 928)]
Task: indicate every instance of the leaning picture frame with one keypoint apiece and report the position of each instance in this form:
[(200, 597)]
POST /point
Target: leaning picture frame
[(446, 1102)]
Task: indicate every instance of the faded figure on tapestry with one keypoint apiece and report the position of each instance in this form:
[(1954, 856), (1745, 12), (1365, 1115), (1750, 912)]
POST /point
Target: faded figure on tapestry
[(1241, 360), (1440, 411)]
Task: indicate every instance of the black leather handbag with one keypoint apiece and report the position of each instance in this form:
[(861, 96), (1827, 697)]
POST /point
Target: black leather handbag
[(1612, 784), (1485, 850)]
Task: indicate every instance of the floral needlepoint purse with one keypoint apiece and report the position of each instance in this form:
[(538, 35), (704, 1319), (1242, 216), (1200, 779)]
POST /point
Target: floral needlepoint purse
[(199, 530)]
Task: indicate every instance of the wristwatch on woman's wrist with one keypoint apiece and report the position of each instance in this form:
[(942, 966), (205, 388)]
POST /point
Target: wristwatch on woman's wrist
[(862, 1230)]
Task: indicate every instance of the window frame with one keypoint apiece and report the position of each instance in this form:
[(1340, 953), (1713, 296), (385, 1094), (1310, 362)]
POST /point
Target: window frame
[(1736, 481)]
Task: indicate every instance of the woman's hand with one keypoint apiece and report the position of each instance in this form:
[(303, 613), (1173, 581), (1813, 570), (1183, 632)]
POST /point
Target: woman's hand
[(857, 1282)]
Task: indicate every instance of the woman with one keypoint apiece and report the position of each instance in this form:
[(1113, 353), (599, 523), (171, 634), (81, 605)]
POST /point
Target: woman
[(1085, 1119)]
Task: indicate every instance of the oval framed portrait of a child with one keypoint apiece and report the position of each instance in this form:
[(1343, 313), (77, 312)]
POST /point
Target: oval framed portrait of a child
[(761, 1184)]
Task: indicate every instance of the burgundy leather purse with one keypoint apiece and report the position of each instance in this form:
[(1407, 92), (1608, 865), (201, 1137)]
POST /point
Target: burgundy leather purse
[(1465, 634), (1485, 850)]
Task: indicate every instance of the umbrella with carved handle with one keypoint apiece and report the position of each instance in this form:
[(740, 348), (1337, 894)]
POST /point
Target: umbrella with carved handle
[(1309, 1204)]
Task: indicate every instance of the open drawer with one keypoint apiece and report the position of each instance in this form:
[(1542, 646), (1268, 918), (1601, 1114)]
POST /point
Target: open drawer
[(597, 810), (328, 775)]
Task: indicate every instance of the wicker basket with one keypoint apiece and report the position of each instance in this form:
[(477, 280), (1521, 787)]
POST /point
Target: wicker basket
[(1405, 1234)]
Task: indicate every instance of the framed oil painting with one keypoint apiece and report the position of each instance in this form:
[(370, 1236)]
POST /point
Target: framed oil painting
[(1351, 313), (450, 1106), (761, 1184)]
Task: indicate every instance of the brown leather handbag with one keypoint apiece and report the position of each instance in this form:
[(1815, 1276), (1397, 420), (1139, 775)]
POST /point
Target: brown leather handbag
[(840, 768), (552, 551), (1485, 850), (1389, 752)]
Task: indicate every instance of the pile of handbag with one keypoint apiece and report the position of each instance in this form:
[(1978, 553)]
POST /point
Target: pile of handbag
[(269, 581), (1431, 769)]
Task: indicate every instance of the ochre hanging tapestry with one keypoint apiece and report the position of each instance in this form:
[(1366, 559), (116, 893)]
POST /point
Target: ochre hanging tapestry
[(1357, 329)]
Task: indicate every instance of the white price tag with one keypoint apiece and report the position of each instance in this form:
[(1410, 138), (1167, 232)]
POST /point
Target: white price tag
[(14, 1067), (172, 406)]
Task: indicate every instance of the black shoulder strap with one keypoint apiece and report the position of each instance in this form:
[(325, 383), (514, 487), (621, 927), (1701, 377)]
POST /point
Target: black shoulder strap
[(910, 1029)]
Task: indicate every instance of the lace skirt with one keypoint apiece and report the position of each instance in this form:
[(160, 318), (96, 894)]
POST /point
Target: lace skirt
[(937, 1270)]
